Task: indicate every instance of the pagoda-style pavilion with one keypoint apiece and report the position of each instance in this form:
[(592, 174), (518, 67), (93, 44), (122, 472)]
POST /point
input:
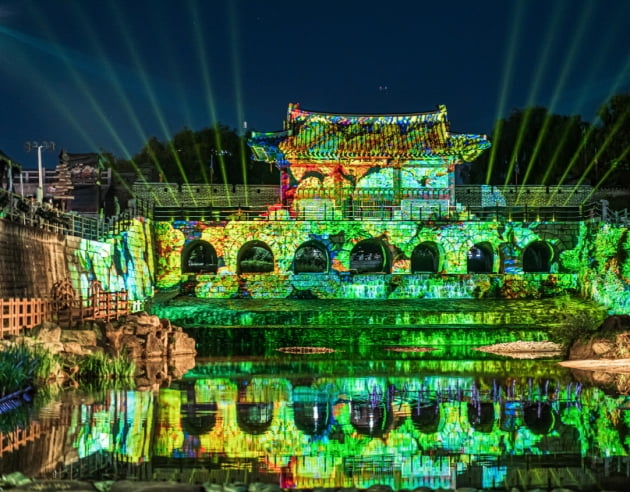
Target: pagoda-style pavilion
[(347, 166)]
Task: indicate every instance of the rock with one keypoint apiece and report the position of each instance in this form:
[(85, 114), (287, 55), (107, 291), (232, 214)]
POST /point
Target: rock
[(47, 332), (235, 487), (132, 345), (137, 486), (154, 347), (181, 344), (602, 347), (263, 487), (180, 365), (73, 348), (82, 337), (50, 485)]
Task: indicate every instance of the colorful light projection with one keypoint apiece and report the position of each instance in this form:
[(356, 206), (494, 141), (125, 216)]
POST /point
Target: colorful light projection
[(405, 432), (341, 243), (339, 159), (123, 262)]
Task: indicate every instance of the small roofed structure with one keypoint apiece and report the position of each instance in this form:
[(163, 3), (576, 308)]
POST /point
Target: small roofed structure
[(349, 164)]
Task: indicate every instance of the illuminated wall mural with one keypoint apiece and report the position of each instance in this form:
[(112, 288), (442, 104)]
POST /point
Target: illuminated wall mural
[(122, 262), (368, 210), (274, 257)]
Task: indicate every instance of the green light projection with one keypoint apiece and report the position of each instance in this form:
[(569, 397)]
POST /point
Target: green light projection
[(345, 431), (339, 238), (123, 262)]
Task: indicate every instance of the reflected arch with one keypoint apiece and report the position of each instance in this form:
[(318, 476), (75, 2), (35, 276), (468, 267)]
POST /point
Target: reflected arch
[(311, 257), (254, 418), (312, 412), (537, 257), (199, 256), (255, 257), (480, 258), (425, 258), (539, 417), (425, 415), (371, 256), (481, 416), (370, 418)]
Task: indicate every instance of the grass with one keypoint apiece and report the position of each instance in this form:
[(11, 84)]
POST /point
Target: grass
[(101, 367), (22, 366)]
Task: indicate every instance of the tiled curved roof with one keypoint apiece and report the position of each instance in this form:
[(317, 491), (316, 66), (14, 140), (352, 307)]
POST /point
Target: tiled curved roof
[(328, 136)]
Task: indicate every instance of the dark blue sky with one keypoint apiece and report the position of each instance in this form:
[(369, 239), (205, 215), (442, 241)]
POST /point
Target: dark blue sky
[(106, 75)]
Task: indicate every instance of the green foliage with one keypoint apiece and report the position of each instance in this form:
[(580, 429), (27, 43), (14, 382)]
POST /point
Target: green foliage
[(22, 366), (551, 148), (100, 367), (573, 324)]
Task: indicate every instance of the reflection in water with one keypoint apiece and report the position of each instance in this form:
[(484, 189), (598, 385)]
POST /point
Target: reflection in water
[(414, 429)]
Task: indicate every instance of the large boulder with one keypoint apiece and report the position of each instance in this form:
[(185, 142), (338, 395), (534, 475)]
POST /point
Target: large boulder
[(611, 341)]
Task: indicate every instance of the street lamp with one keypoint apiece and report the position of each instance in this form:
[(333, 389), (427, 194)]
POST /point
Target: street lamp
[(46, 145)]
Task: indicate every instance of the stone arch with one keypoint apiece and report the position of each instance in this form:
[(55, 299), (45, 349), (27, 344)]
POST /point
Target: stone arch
[(537, 257), (480, 258), (311, 257), (371, 256), (199, 256), (425, 257), (255, 257)]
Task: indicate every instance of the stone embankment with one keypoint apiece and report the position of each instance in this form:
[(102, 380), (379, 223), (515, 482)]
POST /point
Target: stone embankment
[(161, 351)]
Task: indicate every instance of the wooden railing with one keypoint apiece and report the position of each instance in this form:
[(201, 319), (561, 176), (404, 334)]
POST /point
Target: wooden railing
[(11, 441), (17, 315)]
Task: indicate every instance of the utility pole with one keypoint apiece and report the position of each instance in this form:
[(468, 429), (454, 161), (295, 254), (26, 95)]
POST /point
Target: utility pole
[(46, 145)]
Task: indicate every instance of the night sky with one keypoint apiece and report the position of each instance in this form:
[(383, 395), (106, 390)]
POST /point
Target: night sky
[(107, 75)]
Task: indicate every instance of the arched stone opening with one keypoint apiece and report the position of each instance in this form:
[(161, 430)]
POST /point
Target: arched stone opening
[(199, 419), (371, 256), (480, 258), (255, 257), (311, 257), (199, 257), (425, 258), (537, 257)]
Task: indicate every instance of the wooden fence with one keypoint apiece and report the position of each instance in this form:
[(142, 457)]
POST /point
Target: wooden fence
[(10, 441), (63, 307), (17, 314)]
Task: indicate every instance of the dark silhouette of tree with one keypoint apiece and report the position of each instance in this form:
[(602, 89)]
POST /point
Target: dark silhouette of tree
[(532, 146), (215, 155), (611, 163)]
